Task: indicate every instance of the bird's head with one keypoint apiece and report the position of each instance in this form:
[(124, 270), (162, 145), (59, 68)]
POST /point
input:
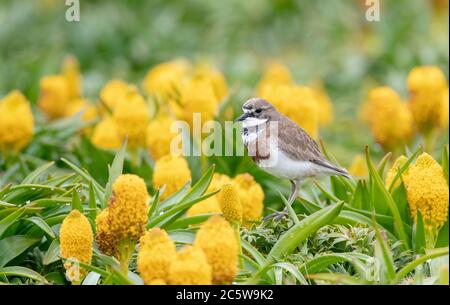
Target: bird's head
[(256, 111)]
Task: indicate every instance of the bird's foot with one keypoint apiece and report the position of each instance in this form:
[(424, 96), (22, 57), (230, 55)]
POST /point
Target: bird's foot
[(277, 216)]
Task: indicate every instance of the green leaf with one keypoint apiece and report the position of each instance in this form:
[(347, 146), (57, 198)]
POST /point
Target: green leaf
[(382, 164), (92, 204), (400, 197), (259, 258), (153, 205), (361, 197), (23, 272), (445, 161), (34, 175), (419, 235), (52, 254), (442, 239), (42, 225), (320, 263), (91, 278), (9, 220), (384, 256), (186, 222), (76, 203), (293, 270), (13, 246), (290, 209), (182, 236), (336, 278), (115, 171), (404, 167)]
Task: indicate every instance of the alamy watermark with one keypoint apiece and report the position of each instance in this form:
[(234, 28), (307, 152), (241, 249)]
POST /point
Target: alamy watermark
[(372, 10), (73, 10)]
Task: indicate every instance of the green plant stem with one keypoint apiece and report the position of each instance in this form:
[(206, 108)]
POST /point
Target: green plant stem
[(126, 248), (237, 230)]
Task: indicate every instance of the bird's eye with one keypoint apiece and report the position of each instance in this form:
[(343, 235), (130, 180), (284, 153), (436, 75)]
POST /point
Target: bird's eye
[(258, 110)]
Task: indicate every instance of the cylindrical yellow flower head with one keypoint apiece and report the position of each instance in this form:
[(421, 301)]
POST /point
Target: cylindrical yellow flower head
[(398, 163), (230, 203), (218, 241), (71, 71), (132, 116), (157, 251), (296, 102), (171, 171), (426, 85), (106, 135), (427, 191), (252, 197), (128, 207), (76, 243), (358, 167), (388, 118), (165, 79), (54, 96), (190, 268), (275, 74), (210, 205), (106, 241), (209, 72), (159, 136), (197, 96), (16, 122), (112, 92)]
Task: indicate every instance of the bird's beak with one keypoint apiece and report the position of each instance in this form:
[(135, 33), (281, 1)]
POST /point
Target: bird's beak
[(242, 117)]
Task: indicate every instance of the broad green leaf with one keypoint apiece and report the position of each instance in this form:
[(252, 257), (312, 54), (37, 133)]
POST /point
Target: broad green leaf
[(293, 270), (23, 272), (186, 222), (34, 175), (384, 256), (361, 197), (13, 246), (174, 198), (115, 171), (259, 258), (320, 263), (182, 236), (76, 203), (92, 204), (42, 225), (442, 239), (382, 164), (400, 198), (445, 161), (52, 253), (419, 235), (91, 278), (9, 220), (153, 205), (291, 211), (336, 278)]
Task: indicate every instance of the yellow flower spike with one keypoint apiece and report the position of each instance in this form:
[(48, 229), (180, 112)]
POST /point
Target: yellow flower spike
[(274, 74), (230, 203), (171, 171), (211, 204), (252, 197), (218, 241), (388, 118), (128, 207), (427, 191), (106, 241), (358, 167), (296, 102), (165, 79), (76, 240), (159, 136), (131, 115), (113, 91), (157, 251), (398, 163), (106, 135), (16, 122), (426, 85), (205, 70), (71, 71), (196, 96), (54, 96), (190, 267)]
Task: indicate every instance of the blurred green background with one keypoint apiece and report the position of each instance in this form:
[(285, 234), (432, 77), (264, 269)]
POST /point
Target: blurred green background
[(324, 40)]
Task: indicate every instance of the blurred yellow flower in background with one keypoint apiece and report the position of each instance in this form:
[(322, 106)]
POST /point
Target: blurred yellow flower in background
[(159, 136), (190, 267), (157, 251), (105, 239), (82, 105), (54, 96), (358, 168), (426, 85), (16, 122), (230, 203), (275, 74), (427, 191), (114, 91), (252, 197), (106, 135), (71, 71), (398, 163), (445, 109), (388, 118), (131, 115), (171, 171), (326, 113), (76, 239), (207, 71), (218, 241)]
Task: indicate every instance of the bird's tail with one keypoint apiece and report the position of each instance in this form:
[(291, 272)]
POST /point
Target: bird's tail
[(338, 170)]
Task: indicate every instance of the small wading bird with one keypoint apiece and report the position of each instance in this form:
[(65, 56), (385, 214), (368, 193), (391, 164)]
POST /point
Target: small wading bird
[(281, 147)]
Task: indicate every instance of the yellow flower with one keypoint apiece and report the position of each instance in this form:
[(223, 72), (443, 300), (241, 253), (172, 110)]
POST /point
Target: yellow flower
[(54, 96), (218, 241), (426, 85), (159, 136), (157, 282), (296, 102), (16, 122), (113, 91), (197, 96), (252, 197), (324, 104), (216, 78), (230, 203), (164, 79), (106, 241), (388, 118), (190, 268), (171, 171), (106, 135), (71, 71), (157, 251), (132, 116), (427, 191), (358, 167), (445, 109), (210, 205), (398, 163), (77, 105), (76, 242), (275, 74), (128, 207)]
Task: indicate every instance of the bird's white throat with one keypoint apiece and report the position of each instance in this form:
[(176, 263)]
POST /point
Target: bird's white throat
[(252, 122)]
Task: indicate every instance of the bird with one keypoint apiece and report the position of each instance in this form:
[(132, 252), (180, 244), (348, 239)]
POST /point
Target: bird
[(282, 148)]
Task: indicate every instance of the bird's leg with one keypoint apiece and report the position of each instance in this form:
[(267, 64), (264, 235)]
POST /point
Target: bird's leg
[(292, 197)]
